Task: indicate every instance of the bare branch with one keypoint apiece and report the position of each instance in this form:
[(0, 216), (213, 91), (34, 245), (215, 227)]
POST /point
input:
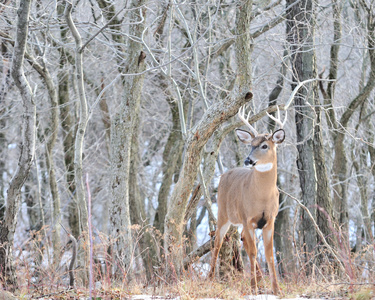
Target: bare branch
[(100, 30)]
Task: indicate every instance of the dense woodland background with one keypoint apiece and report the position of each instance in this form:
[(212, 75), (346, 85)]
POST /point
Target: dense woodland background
[(117, 121)]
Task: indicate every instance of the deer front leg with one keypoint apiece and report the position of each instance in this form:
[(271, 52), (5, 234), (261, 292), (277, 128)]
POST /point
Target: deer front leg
[(221, 230), (268, 249), (258, 271), (251, 250)]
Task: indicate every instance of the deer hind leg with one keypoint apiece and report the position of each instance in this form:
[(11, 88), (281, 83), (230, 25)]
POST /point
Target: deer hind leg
[(248, 237), (221, 230), (268, 249)]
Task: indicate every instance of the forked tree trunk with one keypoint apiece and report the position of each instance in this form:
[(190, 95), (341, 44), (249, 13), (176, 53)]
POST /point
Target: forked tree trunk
[(215, 115), (27, 150), (211, 120)]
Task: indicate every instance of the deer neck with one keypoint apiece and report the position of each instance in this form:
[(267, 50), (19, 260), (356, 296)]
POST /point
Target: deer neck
[(266, 173)]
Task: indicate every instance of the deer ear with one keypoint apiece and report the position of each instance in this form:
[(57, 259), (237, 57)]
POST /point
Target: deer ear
[(278, 136), (244, 136)]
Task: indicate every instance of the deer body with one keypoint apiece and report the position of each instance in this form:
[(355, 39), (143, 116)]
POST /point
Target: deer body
[(249, 197), (243, 198)]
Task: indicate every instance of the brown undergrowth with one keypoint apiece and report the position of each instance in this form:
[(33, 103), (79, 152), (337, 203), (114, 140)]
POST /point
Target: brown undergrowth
[(40, 279)]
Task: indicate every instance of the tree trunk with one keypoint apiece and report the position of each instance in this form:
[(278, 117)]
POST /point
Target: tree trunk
[(340, 170), (6, 58), (362, 186), (27, 149), (283, 247), (122, 130), (230, 254), (300, 37), (371, 150), (339, 167), (83, 118), (215, 115), (323, 193), (171, 155), (147, 245), (51, 133), (68, 130)]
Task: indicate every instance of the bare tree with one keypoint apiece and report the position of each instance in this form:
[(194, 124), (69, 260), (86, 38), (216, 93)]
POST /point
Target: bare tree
[(27, 149), (300, 36), (83, 118), (215, 115), (67, 122), (340, 124), (122, 128)]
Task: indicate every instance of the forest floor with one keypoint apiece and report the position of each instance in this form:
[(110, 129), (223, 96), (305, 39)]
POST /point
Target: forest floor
[(250, 297), (196, 285), (209, 290)]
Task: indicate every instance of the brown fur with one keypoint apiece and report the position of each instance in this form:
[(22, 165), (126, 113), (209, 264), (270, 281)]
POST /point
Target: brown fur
[(251, 198)]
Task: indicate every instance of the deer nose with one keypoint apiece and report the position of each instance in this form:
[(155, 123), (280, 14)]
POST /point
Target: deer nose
[(249, 161)]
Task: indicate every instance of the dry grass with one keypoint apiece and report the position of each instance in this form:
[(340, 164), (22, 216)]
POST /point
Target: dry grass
[(323, 282), (195, 286)]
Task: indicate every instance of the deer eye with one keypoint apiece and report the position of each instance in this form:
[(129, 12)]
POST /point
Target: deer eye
[(264, 147)]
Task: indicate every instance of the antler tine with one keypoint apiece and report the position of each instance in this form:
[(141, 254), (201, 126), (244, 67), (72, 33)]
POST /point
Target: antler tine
[(277, 120), (241, 115)]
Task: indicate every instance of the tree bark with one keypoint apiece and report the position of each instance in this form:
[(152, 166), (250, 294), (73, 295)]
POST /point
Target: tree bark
[(27, 149), (148, 247), (6, 58), (323, 193), (171, 155), (122, 130), (300, 21)]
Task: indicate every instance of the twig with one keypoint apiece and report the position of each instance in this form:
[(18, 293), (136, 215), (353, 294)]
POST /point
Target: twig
[(330, 249), (100, 30)]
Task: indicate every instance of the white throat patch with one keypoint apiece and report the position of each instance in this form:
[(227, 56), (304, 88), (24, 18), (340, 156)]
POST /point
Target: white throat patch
[(263, 167)]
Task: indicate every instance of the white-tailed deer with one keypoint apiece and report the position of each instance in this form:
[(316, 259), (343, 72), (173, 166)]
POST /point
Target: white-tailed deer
[(249, 197)]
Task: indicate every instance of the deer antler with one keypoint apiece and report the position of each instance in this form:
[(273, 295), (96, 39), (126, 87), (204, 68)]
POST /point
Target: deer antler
[(277, 120), (241, 115)]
